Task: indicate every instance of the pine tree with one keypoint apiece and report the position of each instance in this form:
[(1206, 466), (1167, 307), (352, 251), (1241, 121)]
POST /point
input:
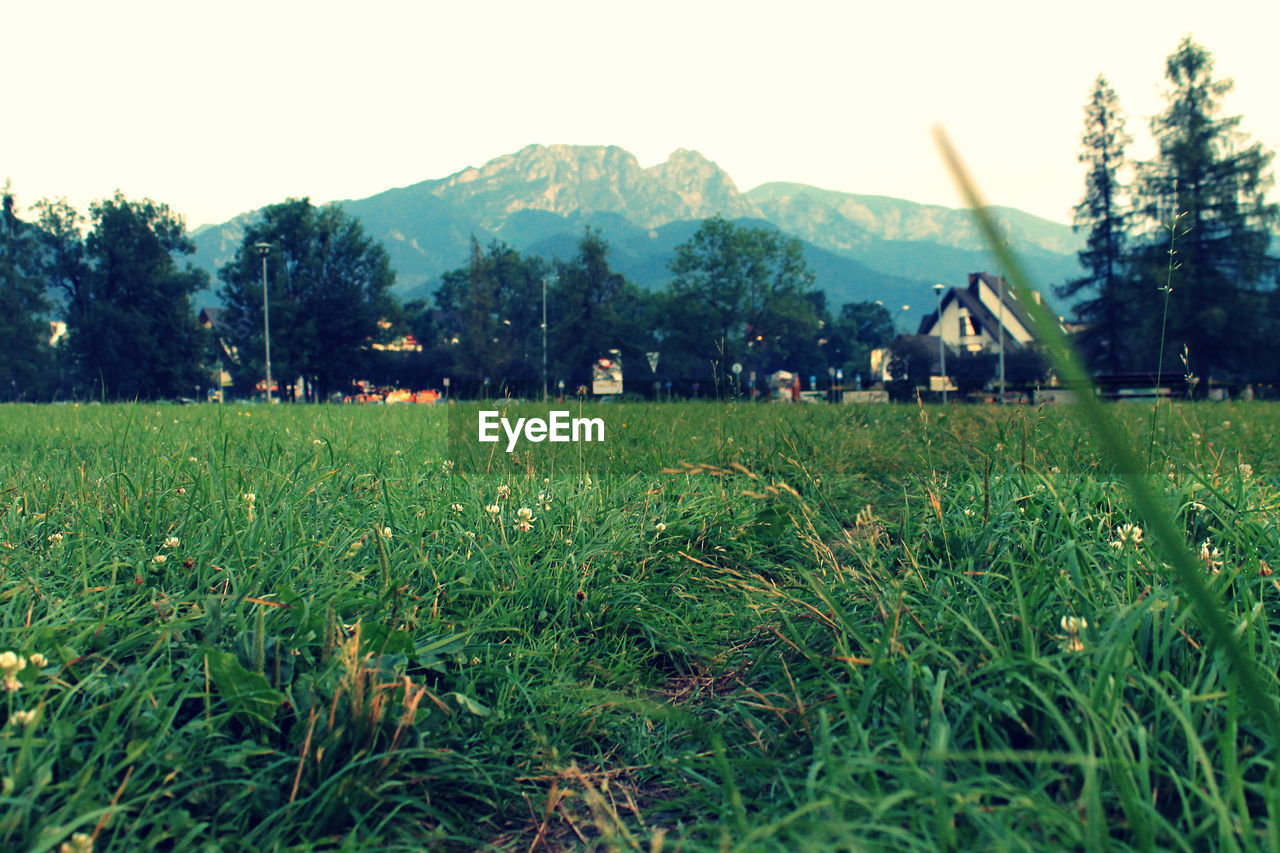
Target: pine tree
[(1209, 183), (1107, 307)]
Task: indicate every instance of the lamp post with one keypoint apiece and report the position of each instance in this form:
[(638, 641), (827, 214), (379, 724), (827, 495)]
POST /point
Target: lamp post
[(264, 249), (1001, 325), (942, 347), (545, 279)]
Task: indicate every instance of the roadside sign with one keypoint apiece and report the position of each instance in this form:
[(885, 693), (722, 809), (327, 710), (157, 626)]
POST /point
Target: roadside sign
[(653, 361)]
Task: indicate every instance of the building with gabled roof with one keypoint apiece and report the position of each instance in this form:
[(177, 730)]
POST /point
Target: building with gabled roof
[(972, 317)]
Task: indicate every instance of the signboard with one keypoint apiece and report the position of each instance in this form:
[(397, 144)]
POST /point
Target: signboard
[(653, 361), (606, 374), (865, 397)]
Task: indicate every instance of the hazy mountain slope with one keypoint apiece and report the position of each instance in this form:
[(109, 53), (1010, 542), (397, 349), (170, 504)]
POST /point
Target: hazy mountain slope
[(540, 199)]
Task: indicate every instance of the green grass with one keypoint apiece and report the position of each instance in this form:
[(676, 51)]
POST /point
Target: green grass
[(847, 633)]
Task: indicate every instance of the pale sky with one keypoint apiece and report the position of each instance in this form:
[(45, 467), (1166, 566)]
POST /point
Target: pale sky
[(219, 108)]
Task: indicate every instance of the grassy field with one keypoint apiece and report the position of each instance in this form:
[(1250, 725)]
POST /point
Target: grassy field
[(751, 627)]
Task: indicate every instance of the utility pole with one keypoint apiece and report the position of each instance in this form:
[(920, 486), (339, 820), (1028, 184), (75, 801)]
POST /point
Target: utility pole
[(264, 249), (545, 279), (942, 346)]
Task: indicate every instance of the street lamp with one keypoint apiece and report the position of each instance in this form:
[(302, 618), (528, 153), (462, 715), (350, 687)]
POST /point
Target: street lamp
[(264, 249), (545, 279), (942, 347)]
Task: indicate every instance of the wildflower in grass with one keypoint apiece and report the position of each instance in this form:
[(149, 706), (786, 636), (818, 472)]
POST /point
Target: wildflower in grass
[(1210, 556), (1073, 625), (1055, 470), (1246, 470), (12, 684), (1127, 534), (316, 441), (446, 466), (55, 538), (181, 490), (456, 507), (524, 519), (250, 500), (159, 558), (660, 527), (172, 542), (504, 492), (22, 718), (80, 842), (1264, 569), (38, 660), (493, 509), (192, 459), (11, 662), (386, 533)]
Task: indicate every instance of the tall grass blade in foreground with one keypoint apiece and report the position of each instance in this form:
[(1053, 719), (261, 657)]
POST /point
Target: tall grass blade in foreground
[(1171, 543)]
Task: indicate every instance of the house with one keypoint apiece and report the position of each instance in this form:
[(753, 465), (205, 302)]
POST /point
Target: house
[(973, 317)]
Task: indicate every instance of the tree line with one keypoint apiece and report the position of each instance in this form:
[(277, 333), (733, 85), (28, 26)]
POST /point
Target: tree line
[(1178, 277), (120, 279)]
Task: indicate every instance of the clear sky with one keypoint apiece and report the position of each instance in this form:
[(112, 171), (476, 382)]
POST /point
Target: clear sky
[(221, 107)]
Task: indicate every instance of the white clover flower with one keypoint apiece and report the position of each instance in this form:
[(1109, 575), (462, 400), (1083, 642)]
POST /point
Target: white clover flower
[(1055, 470), (38, 660), (446, 466), (385, 533), (544, 497), (1127, 534), (1210, 556), (1074, 624), (249, 497), (12, 684), (316, 441), (22, 718), (493, 509), (525, 514), (55, 538), (80, 843), (172, 542), (159, 558), (192, 459), (1246, 470), (504, 492), (660, 527), (456, 507), (11, 662), (524, 526)]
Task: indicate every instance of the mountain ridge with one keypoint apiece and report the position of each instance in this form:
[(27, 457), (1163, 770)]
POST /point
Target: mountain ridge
[(868, 247)]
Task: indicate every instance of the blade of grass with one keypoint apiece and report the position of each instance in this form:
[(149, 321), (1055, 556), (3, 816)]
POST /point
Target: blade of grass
[(1170, 541)]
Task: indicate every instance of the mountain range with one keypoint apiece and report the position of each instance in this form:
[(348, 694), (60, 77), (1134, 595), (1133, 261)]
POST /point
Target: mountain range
[(540, 199)]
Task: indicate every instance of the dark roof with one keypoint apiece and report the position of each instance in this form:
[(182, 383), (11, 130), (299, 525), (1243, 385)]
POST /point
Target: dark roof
[(978, 310), (211, 314)]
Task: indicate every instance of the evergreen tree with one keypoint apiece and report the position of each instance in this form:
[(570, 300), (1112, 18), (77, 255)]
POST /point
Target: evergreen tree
[(1107, 309), (490, 314), (1209, 183), (584, 307), (25, 357)]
